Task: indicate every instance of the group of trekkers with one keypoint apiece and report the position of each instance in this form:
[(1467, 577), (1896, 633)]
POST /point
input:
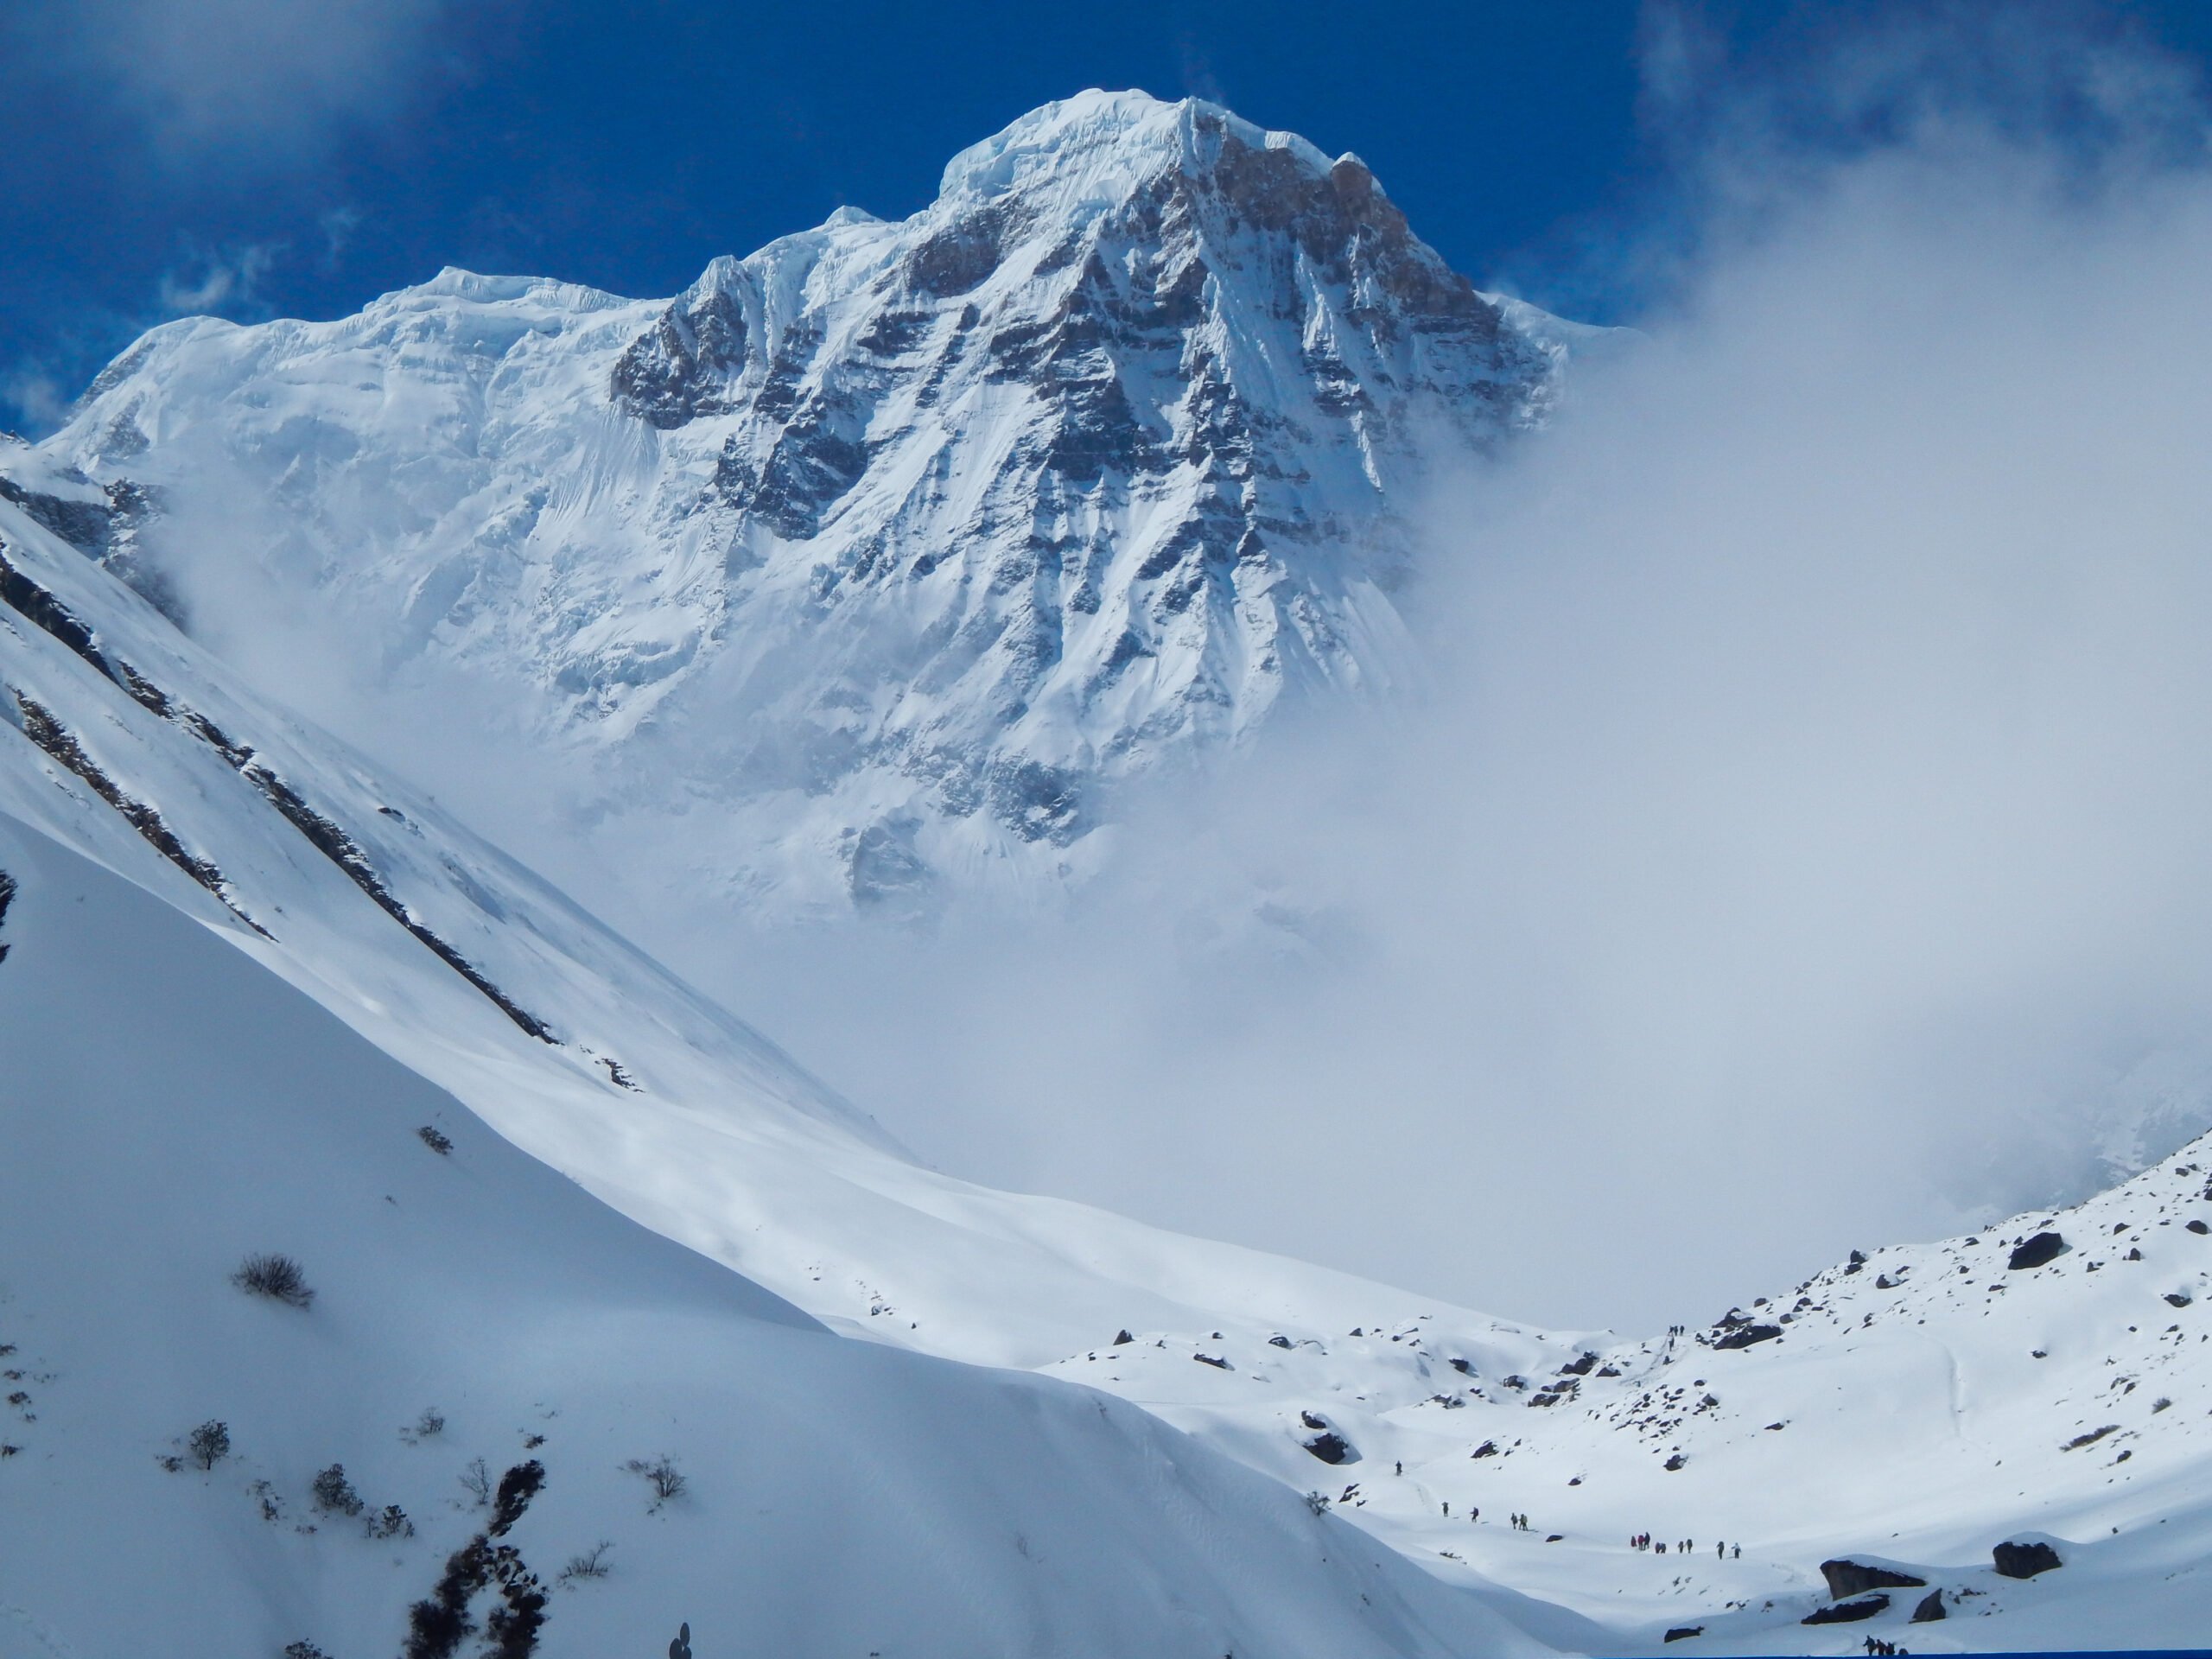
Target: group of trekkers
[(1682, 1547)]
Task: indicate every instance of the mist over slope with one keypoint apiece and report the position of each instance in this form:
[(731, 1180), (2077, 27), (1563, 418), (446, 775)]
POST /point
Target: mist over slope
[(467, 1316), (1420, 1423)]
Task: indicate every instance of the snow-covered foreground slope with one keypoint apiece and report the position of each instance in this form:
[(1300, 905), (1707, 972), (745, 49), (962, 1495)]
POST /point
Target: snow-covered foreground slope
[(1923, 1421), (873, 555), (173, 1109)]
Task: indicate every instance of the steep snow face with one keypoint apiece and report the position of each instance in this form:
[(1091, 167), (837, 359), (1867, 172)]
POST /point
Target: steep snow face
[(123, 740), (477, 1350), (1932, 1403), (890, 541)]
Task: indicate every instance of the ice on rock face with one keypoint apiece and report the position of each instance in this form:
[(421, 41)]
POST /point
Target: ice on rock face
[(943, 524)]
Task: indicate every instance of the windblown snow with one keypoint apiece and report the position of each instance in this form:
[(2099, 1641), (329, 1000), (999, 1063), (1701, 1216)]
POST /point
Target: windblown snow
[(810, 1397)]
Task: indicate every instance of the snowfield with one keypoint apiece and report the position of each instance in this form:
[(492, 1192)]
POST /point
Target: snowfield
[(837, 504), (173, 1109), (1923, 1420)]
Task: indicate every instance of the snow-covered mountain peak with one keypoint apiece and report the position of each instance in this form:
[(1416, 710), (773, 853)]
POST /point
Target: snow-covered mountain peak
[(1102, 142), (896, 542)]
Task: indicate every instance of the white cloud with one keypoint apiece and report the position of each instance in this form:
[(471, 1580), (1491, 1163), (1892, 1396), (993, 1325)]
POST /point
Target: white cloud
[(232, 278), (1807, 843), (265, 81)]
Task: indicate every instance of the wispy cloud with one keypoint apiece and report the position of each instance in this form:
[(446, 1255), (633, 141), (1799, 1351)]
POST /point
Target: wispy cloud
[(214, 281), (267, 83), (38, 400)]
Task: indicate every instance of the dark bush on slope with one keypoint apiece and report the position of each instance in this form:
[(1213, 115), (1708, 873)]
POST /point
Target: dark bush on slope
[(334, 1494), (277, 1277), (209, 1444)]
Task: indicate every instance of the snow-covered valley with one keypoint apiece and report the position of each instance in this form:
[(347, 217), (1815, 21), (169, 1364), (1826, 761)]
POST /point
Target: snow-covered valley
[(246, 966)]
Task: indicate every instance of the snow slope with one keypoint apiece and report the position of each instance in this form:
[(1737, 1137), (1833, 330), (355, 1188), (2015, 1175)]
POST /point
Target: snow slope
[(172, 1107), (1902, 1435), (880, 552)]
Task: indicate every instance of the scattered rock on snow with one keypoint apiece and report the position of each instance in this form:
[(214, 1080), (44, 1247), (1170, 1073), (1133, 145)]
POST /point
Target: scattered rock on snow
[(1847, 1612), (1331, 1447), (1851, 1579), (1745, 1334), (2024, 1560), (2042, 1248)]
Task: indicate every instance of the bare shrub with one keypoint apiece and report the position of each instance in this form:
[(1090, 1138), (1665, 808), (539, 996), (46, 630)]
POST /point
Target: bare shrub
[(208, 1445), (277, 1277), (667, 1481), (390, 1522), (476, 1481), (592, 1564), (429, 1426)]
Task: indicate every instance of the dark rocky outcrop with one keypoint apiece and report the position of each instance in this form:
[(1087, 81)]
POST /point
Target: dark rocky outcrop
[(681, 367), (1745, 1333), (1930, 1609), (1852, 1578), (1683, 1632), (1847, 1612), (2034, 1252), (42, 728), (2024, 1560), (1332, 1447)]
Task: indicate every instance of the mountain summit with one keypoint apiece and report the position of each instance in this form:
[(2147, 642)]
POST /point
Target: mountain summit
[(894, 541)]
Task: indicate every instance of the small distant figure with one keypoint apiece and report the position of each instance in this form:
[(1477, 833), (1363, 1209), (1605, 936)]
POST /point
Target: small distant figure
[(1720, 1552), (1402, 1468), (1740, 1552), (681, 1648), (1660, 1547)]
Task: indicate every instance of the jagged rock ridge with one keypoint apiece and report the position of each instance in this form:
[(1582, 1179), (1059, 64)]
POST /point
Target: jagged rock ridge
[(901, 535)]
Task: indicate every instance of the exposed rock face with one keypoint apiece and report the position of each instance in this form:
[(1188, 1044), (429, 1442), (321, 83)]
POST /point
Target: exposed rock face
[(899, 537), (1847, 1612), (2034, 1252), (1331, 1447), (1930, 1609), (1738, 1332), (1851, 1579), (2024, 1560)]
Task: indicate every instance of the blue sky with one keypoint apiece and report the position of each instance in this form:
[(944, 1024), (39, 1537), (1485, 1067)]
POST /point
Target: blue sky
[(264, 158)]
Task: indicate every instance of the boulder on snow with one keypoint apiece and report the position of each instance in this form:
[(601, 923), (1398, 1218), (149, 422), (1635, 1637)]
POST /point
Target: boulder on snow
[(2024, 1560), (2034, 1252), (1851, 1579), (1332, 1447), (1847, 1612), (1121, 1337), (1683, 1632), (1930, 1609), (1745, 1334)]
